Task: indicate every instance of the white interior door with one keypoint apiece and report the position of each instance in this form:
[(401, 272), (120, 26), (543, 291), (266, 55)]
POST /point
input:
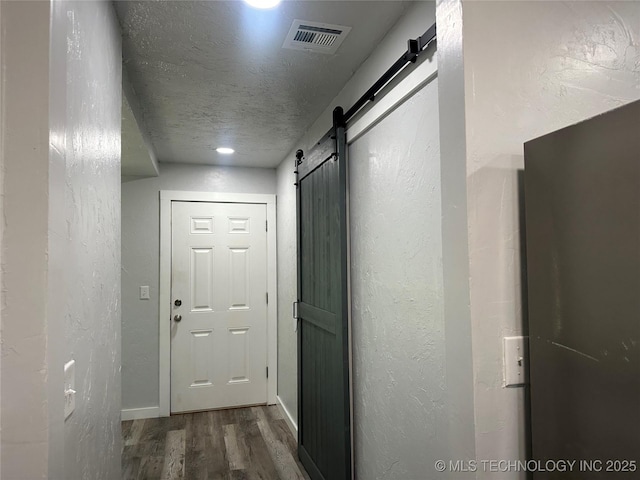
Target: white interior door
[(219, 305)]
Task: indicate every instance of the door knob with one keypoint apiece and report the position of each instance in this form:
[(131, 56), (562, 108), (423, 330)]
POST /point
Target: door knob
[(177, 318), (177, 303)]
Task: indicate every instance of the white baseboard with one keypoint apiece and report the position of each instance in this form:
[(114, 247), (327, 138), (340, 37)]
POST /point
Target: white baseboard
[(291, 422), (139, 413)]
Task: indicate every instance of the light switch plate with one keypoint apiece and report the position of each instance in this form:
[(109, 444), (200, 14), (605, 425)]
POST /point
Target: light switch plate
[(144, 292), (516, 361), (69, 388)]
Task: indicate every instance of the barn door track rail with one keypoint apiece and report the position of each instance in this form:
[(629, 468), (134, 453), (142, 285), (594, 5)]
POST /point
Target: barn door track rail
[(415, 47)]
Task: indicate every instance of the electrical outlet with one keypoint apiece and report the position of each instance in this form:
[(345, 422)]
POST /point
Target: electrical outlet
[(144, 292), (69, 388)]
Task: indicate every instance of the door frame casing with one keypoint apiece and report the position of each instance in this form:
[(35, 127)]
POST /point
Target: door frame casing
[(164, 317)]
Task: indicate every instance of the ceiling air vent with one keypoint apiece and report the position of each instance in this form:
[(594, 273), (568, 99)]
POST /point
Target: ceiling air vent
[(315, 37)]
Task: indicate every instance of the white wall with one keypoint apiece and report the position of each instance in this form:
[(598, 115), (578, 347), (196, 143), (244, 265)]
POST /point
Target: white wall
[(529, 68), (400, 401), (25, 130), (61, 238), (455, 252), (139, 158), (287, 288), (84, 235), (141, 260)]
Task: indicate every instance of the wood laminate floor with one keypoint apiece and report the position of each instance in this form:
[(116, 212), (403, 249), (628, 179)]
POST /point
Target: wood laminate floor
[(241, 444)]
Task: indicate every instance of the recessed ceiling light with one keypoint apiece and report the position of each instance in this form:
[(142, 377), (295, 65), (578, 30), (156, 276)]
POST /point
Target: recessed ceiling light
[(225, 150), (263, 3)]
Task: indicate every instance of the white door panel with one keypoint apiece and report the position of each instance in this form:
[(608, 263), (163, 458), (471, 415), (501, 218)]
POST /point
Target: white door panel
[(219, 273)]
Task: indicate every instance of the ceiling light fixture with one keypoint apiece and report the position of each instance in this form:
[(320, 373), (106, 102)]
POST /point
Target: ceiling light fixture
[(263, 3), (225, 150)]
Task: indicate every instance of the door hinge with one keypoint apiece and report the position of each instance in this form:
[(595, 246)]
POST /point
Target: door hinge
[(267, 295), (266, 225), (267, 372)]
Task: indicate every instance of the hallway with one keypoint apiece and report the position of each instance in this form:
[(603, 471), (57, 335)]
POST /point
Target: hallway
[(244, 443), (424, 346)]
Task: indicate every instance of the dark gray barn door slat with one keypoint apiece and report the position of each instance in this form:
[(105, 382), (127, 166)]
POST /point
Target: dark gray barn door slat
[(322, 319)]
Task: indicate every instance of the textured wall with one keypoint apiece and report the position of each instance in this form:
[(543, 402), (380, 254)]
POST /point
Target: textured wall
[(397, 290), (139, 157), (523, 81), (415, 22), (84, 238), (25, 137), (141, 259), (138, 160), (455, 250), (287, 288), (61, 247)]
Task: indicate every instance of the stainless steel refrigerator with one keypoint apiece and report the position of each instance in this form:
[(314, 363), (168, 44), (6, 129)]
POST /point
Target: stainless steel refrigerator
[(582, 204)]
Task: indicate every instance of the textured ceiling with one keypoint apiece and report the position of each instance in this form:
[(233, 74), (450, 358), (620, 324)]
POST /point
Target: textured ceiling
[(214, 73)]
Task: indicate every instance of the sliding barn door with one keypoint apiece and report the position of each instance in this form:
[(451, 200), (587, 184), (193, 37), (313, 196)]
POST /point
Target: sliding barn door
[(324, 418)]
